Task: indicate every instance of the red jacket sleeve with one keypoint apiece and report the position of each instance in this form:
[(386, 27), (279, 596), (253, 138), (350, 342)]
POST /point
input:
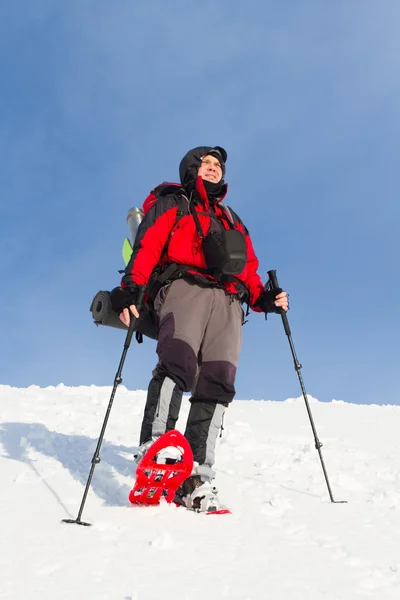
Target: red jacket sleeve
[(253, 280), (153, 234)]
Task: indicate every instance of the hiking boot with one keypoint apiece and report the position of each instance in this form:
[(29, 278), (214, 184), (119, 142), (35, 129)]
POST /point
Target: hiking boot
[(143, 449), (198, 494)]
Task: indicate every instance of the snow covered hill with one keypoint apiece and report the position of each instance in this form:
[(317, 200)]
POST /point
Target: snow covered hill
[(284, 541)]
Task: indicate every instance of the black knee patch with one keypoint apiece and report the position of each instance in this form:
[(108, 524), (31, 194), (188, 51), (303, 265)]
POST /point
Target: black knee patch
[(177, 361)]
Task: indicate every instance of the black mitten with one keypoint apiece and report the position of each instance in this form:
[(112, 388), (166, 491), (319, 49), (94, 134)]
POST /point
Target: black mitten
[(266, 301), (123, 298)]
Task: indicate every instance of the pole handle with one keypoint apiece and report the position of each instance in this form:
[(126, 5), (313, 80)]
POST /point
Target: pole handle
[(133, 320), (273, 279), (273, 282)]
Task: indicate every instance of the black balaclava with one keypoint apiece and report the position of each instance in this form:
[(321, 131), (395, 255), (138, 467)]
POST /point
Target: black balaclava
[(190, 165)]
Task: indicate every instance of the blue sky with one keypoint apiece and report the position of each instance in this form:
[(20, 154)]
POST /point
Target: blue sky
[(99, 102)]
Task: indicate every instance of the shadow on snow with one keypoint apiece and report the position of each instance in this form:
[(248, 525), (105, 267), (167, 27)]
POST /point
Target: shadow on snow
[(75, 453)]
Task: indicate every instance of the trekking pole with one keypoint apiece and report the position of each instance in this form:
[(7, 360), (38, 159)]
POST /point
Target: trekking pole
[(118, 379), (273, 284)]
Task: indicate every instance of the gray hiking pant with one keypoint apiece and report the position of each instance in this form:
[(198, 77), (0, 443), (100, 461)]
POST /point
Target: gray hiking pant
[(199, 341)]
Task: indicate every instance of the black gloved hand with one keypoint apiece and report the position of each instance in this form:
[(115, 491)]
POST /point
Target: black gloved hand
[(266, 301), (123, 298)]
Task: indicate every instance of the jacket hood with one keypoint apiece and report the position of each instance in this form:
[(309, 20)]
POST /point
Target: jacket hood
[(191, 162)]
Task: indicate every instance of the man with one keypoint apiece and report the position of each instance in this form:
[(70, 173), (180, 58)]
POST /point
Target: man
[(212, 269)]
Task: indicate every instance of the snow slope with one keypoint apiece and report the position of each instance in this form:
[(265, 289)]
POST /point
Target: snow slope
[(284, 540)]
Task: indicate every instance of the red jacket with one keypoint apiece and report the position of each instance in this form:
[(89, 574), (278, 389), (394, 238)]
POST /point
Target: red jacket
[(163, 238)]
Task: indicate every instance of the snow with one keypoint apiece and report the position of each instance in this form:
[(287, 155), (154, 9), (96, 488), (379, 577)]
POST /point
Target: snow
[(285, 540)]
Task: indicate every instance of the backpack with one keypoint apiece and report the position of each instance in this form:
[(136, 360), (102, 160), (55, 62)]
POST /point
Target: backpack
[(158, 192), (135, 215)]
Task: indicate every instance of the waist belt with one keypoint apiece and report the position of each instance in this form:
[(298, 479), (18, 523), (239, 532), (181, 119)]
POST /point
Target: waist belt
[(169, 272)]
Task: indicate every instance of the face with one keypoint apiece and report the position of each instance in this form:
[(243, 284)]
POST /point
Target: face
[(210, 169)]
